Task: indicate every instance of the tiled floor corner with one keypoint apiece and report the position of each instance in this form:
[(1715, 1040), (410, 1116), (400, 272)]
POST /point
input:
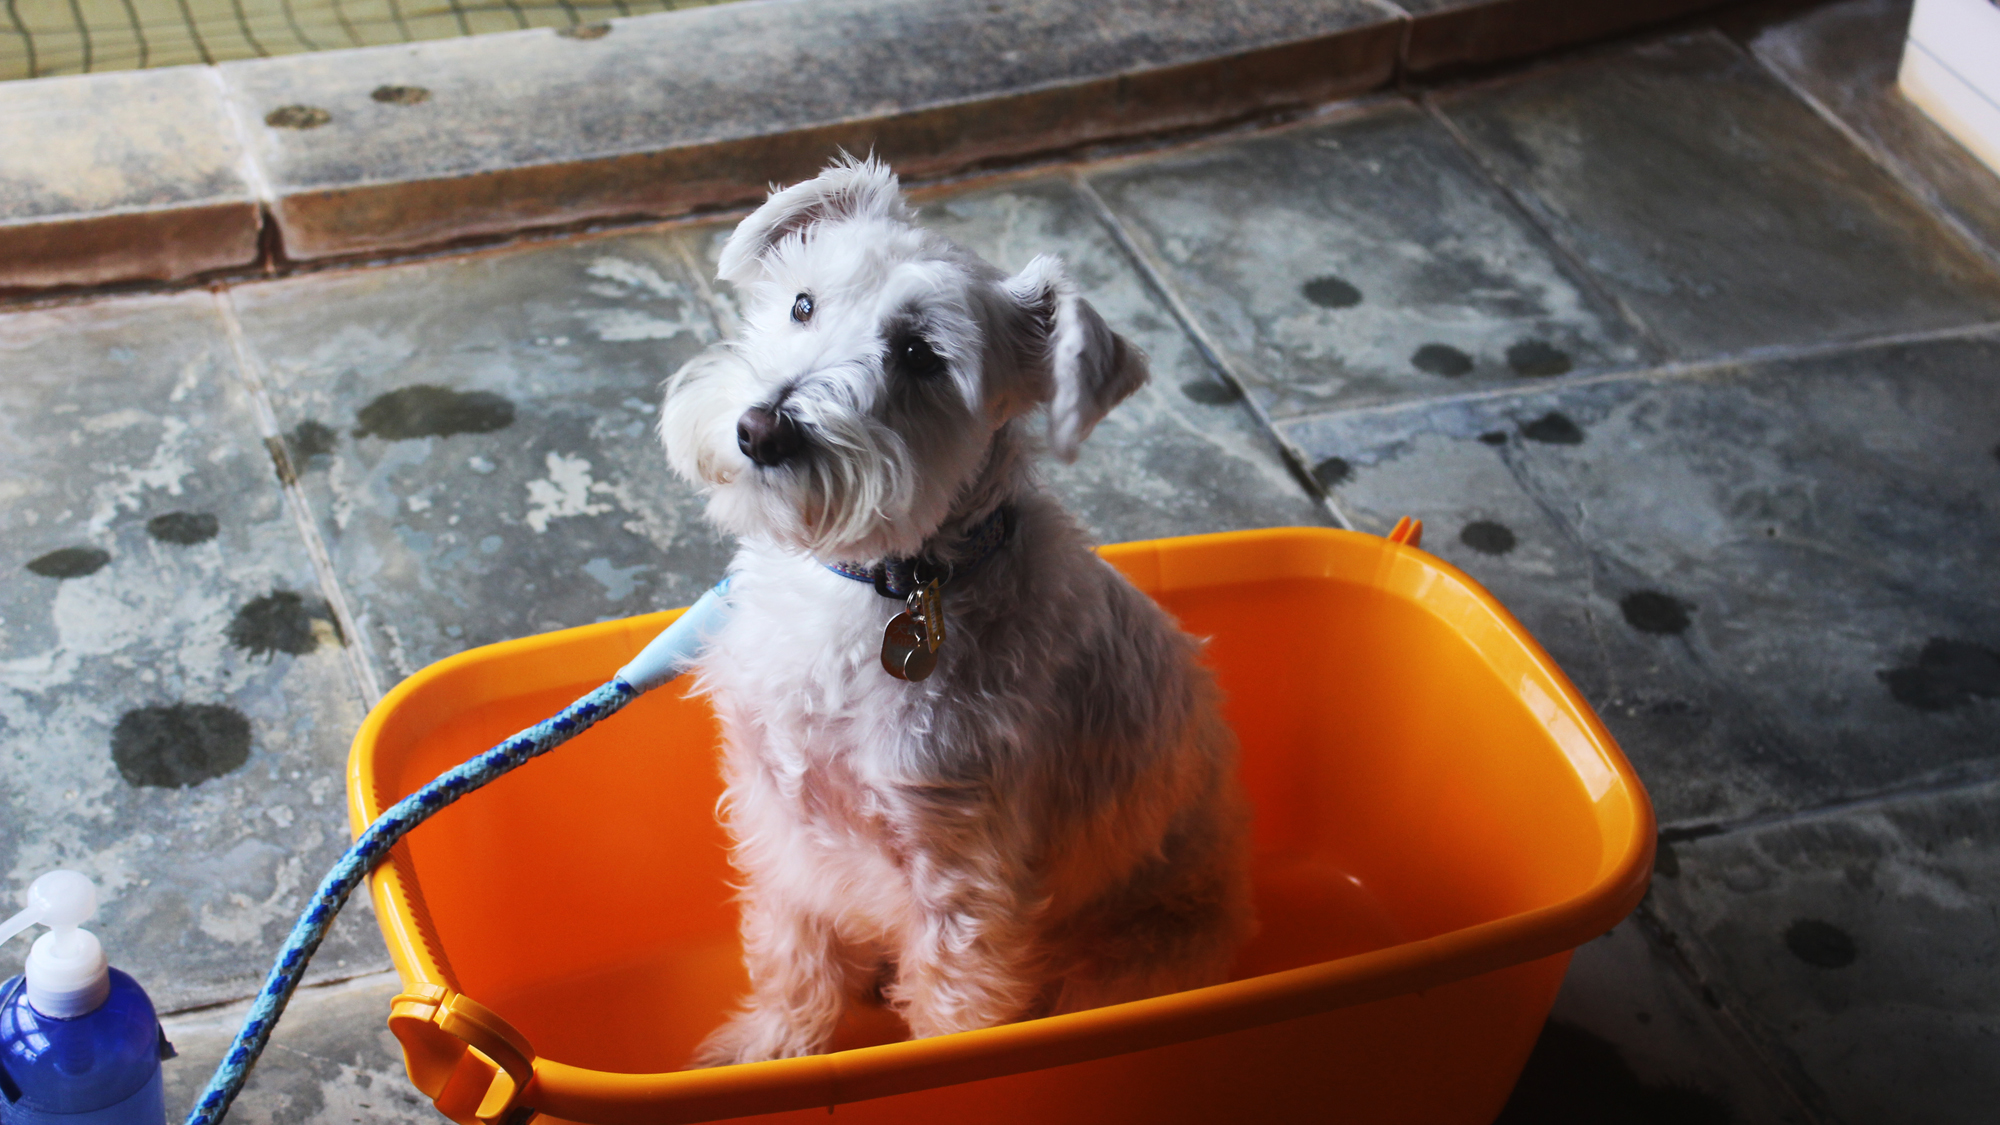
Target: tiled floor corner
[(1631, 1040), (1844, 57), (1864, 943), (1716, 205)]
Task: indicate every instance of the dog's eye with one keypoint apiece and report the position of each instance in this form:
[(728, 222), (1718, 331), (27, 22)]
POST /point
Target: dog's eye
[(802, 308), (912, 356)]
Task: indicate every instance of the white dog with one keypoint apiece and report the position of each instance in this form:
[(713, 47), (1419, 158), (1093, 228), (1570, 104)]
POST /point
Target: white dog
[(1052, 820)]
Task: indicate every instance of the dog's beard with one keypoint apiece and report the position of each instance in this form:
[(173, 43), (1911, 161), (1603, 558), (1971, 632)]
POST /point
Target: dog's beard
[(852, 494), (847, 496)]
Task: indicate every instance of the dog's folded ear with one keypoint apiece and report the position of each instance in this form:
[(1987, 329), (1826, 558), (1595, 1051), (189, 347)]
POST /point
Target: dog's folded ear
[(1090, 368), (849, 188)]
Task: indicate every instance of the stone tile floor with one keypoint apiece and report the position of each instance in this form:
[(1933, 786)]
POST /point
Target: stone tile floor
[(1689, 349)]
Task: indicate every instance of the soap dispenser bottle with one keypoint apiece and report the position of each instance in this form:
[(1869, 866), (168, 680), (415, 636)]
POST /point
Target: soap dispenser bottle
[(79, 1041)]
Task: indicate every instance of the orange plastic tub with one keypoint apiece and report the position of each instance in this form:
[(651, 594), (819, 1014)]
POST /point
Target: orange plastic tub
[(1439, 821)]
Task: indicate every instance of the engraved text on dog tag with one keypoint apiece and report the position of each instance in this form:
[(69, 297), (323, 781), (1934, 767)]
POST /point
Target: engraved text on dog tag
[(906, 649)]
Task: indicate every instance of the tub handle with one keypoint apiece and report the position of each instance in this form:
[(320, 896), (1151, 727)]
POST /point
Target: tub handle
[(1409, 532), (465, 1058)]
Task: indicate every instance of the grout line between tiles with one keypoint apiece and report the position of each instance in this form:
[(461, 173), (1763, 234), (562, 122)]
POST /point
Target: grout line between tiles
[(1977, 775), (1681, 369), (1156, 280), (1912, 184), (247, 164), (360, 658), (221, 1009), (1518, 200)]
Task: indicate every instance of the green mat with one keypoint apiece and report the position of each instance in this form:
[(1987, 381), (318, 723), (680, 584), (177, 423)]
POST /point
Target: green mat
[(43, 37)]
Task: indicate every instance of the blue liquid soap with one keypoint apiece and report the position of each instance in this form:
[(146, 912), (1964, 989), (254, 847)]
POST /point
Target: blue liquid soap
[(80, 1043)]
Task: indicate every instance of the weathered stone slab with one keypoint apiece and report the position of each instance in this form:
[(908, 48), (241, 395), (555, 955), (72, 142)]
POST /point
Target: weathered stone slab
[(332, 1061), (1774, 583), (1717, 205), (475, 438), (1446, 34), (115, 177), (1844, 56), (175, 707), (668, 113), (1863, 944), (1361, 261), (1630, 1039)]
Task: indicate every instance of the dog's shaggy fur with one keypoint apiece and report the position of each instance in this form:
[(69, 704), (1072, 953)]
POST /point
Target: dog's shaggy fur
[(1052, 820)]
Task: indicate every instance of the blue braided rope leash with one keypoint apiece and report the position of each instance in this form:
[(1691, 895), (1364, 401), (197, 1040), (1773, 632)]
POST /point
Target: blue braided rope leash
[(663, 659)]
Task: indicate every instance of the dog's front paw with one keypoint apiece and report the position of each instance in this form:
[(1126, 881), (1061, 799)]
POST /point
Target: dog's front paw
[(755, 1036)]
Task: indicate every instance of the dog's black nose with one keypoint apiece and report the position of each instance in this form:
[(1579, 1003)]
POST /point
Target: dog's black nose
[(768, 437)]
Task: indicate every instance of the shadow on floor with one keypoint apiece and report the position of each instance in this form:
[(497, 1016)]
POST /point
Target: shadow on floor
[(1576, 1076)]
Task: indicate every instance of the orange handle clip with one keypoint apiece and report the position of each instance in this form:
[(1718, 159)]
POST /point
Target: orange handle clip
[(468, 1060)]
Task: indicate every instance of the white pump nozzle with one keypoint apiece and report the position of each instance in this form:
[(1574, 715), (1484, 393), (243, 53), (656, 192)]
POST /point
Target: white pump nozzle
[(66, 971)]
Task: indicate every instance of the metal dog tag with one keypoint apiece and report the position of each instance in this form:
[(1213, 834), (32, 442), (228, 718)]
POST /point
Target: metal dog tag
[(910, 643), (907, 651)]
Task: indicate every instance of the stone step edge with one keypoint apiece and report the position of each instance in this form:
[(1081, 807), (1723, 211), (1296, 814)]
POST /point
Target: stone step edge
[(234, 220)]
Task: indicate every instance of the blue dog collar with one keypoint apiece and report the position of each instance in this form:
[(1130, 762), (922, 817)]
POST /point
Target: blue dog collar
[(898, 578)]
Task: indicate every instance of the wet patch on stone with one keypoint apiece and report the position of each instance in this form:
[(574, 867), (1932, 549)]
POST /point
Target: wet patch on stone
[(401, 95), (1331, 293), (1553, 428), (1442, 360), (179, 744), (280, 621), (1538, 359), (297, 117), (1947, 674), (1879, 455), (1358, 262), (1211, 392), (427, 411), (70, 562), (183, 528), (1575, 1076), (1488, 537), (1333, 471), (1820, 944), (585, 31), (1651, 611), (137, 439), (311, 438)]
